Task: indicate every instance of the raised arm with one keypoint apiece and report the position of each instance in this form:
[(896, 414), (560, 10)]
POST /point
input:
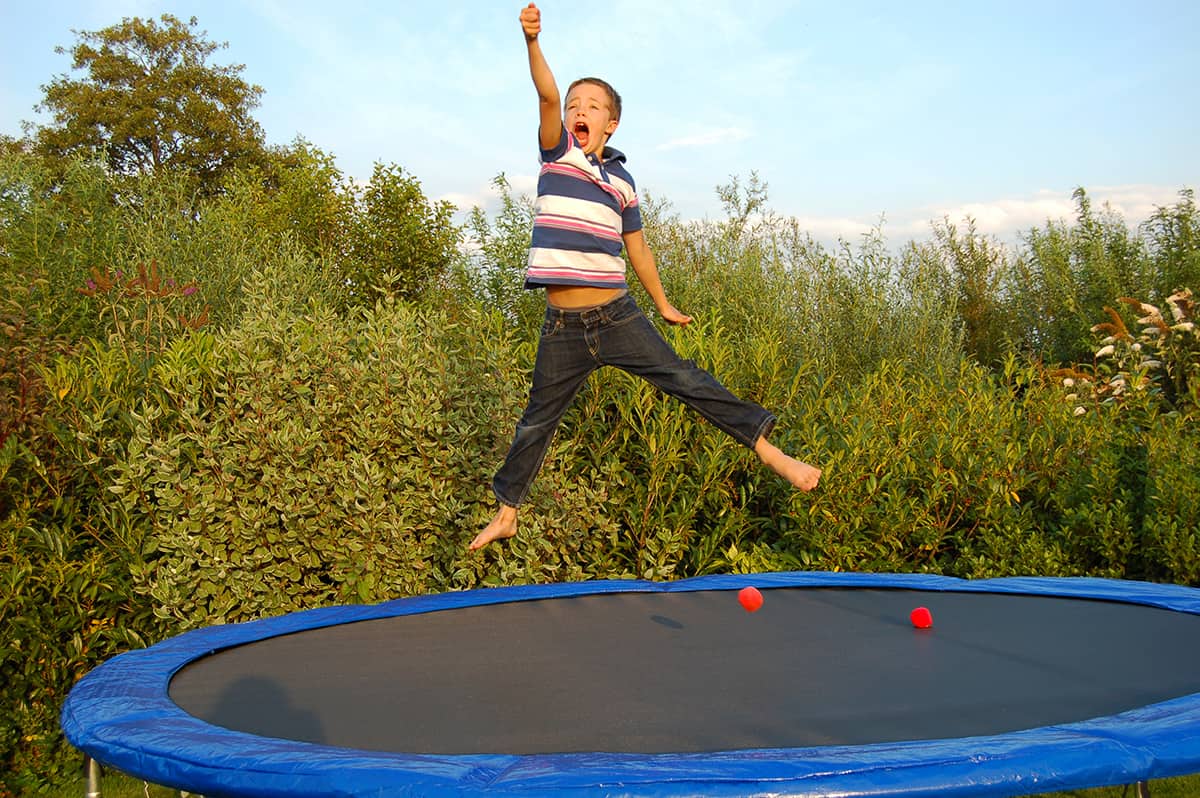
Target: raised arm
[(646, 269), (549, 104)]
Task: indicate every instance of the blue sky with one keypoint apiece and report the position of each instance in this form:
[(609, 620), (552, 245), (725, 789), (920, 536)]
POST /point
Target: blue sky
[(850, 111)]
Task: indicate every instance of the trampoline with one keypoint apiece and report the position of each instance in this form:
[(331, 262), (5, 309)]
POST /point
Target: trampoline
[(631, 688)]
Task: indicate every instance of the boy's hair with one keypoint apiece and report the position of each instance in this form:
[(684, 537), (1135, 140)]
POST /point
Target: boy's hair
[(614, 99)]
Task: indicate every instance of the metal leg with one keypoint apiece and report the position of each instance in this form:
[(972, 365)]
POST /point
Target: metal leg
[(93, 776), (1142, 789)]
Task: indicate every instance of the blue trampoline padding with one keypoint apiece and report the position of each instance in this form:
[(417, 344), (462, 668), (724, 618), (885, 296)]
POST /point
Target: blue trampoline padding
[(121, 715)]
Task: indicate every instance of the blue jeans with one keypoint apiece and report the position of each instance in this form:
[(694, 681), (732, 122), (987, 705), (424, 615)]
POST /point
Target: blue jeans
[(576, 343)]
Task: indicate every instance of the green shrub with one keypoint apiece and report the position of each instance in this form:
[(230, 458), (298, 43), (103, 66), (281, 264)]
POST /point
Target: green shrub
[(1172, 513), (66, 602), (399, 244), (841, 313), (310, 459), (64, 607), (1067, 274), (299, 194), (978, 278), (1172, 238), (496, 256), (53, 230), (921, 471)]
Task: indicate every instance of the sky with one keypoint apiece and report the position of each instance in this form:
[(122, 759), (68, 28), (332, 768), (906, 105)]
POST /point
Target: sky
[(855, 113)]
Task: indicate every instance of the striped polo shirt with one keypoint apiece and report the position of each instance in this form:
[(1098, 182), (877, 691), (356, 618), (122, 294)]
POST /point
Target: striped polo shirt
[(583, 206)]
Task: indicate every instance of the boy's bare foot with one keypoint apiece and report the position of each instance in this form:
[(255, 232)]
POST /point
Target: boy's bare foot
[(503, 525), (800, 474)]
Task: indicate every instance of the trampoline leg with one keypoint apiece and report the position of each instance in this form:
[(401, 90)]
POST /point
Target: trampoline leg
[(93, 776), (1142, 789)]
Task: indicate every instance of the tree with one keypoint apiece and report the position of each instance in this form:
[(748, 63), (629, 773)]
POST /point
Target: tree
[(499, 255), (400, 243), (296, 191), (151, 101)]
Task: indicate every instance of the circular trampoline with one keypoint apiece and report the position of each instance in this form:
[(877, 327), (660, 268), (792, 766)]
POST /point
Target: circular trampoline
[(1021, 686)]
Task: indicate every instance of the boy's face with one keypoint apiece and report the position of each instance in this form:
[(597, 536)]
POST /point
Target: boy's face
[(588, 115)]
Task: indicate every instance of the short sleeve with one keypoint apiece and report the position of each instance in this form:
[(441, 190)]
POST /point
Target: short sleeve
[(560, 149), (631, 217)]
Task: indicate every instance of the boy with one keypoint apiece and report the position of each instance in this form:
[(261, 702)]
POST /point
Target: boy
[(586, 211)]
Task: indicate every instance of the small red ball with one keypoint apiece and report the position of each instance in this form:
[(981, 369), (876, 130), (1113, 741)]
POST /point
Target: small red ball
[(750, 599), (921, 618)]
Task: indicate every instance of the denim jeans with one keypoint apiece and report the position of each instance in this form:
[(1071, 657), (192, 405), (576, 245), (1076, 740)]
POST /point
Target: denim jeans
[(576, 343)]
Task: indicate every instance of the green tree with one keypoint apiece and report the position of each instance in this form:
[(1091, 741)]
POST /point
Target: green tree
[(976, 276), (400, 243), (12, 146), (497, 257), (297, 192), (150, 101), (310, 197)]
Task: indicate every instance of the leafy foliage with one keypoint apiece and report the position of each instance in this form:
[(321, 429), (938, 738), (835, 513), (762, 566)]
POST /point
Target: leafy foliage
[(1068, 274), (54, 229), (976, 282), (498, 251), (400, 243), (841, 313), (297, 193), (335, 457)]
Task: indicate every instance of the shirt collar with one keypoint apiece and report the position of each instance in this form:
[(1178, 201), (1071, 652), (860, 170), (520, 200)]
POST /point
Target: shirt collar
[(609, 155)]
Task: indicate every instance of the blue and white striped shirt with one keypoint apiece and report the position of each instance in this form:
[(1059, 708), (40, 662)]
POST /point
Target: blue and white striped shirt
[(583, 207)]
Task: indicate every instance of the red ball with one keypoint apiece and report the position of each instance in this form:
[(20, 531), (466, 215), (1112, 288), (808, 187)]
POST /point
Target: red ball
[(750, 599), (921, 618)]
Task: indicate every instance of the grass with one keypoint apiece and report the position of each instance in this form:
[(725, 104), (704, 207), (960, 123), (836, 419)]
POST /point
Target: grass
[(117, 785)]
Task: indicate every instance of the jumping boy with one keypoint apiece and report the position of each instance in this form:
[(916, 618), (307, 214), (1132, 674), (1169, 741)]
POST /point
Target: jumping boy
[(586, 210)]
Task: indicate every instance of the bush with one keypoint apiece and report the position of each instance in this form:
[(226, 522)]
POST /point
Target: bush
[(400, 245), (978, 277), (1172, 513), (496, 256), (52, 232), (1068, 274), (105, 282), (841, 313), (67, 600), (307, 459), (65, 606)]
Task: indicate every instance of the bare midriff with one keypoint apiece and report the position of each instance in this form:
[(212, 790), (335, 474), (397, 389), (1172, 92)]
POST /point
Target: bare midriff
[(574, 296)]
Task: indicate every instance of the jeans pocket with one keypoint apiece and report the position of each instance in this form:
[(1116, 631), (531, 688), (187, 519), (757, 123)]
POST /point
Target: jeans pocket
[(624, 310), (551, 326)]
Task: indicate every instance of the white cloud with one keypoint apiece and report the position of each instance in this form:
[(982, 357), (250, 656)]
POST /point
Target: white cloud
[(1136, 203), (1006, 219), (1014, 215), (523, 184), (486, 197), (465, 202), (706, 138), (1008, 215), (827, 229)]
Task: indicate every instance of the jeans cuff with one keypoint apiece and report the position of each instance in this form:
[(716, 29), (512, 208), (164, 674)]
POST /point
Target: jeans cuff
[(503, 500), (765, 429)]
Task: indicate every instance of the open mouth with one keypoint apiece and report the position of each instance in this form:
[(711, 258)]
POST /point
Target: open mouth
[(581, 133)]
